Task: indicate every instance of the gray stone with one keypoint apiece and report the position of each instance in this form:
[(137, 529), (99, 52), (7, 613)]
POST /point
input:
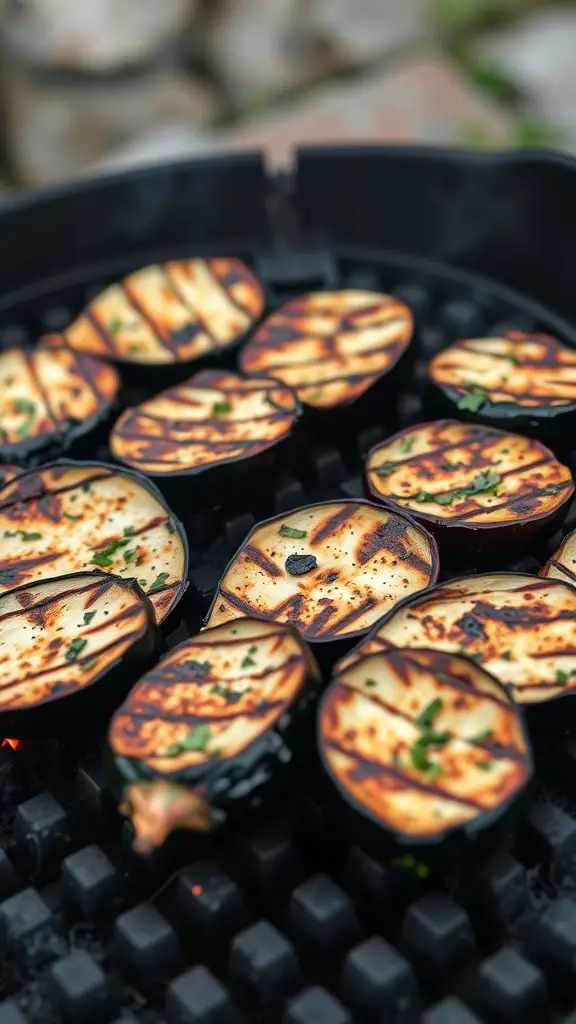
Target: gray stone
[(538, 53), (260, 48), (93, 35), (55, 130), (423, 99), (363, 30)]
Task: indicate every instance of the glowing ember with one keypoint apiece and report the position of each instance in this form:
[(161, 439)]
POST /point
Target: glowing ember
[(11, 743)]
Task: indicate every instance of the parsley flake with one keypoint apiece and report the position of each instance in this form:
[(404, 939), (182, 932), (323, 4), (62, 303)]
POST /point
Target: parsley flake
[(289, 531), (159, 581), (426, 717), (75, 647), (472, 401), (481, 737), (562, 677), (221, 408), (68, 515), (88, 616), (484, 766), (247, 662), (407, 444), (386, 469), (23, 534), (197, 739), (104, 556)]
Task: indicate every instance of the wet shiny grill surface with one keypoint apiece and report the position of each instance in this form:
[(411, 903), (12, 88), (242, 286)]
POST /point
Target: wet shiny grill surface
[(285, 922)]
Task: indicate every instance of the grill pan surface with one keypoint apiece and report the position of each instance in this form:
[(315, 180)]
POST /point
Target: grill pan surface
[(286, 921)]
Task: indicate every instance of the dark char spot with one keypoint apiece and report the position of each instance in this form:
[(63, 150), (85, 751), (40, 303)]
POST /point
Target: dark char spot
[(298, 565)]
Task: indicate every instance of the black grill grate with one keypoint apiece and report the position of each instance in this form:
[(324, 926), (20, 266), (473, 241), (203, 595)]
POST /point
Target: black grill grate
[(284, 922)]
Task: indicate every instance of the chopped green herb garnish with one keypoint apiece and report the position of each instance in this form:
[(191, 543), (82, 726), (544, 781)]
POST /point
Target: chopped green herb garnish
[(131, 555), (247, 662), (24, 405), (370, 682), (68, 515), (562, 677), (128, 531), (386, 469), (159, 581), (88, 665), (484, 766), (513, 358), (88, 616), (221, 408), (505, 451), (553, 489), (253, 649), (472, 401), (289, 531), (507, 655), (197, 739), (221, 691), (430, 738), (483, 483), (74, 648), (114, 326), (23, 534), (134, 348), (407, 444), (104, 556), (421, 761), (474, 655), (29, 408), (143, 583), (449, 465), (481, 737), (426, 717), (409, 863)]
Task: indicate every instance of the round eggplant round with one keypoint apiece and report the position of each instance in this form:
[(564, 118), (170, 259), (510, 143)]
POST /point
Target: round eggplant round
[(50, 400), (520, 628), (88, 515), (216, 420), (562, 564), (169, 314), (70, 648), (331, 347), (469, 483), (210, 733), (332, 569), (519, 380), (423, 750)]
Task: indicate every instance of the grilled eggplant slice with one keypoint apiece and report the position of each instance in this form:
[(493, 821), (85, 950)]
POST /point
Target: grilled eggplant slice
[(470, 482), (88, 515), (169, 313), (70, 648), (50, 399), (562, 564), (423, 749), (210, 733), (330, 569), (520, 628), (331, 347), (213, 420), (519, 380)]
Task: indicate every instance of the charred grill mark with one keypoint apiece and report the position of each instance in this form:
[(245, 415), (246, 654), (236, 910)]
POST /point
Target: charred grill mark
[(519, 616), (261, 559), (84, 366), (63, 666), (347, 620), (373, 769), (28, 608), (102, 332), (514, 499), (195, 313), (220, 283), (456, 682), (332, 523), (33, 490), (245, 640), (321, 619), (13, 572), (147, 712), (49, 505), (473, 629), (236, 602), (159, 334), (562, 567), (29, 361)]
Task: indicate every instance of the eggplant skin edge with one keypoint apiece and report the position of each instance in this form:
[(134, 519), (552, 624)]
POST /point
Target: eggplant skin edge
[(345, 638), (143, 481), (105, 691), (366, 827)]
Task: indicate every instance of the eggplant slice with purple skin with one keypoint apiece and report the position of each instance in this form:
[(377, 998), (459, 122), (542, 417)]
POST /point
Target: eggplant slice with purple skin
[(209, 421), (212, 730), (8, 473), (331, 347), (520, 381), (50, 400), (331, 569), (469, 483), (70, 516), (562, 564), (70, 648), (169, 313), (520, 628), (423, 750)]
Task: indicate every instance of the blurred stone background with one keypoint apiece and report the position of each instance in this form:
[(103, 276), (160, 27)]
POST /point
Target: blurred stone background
[(90, 85)]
